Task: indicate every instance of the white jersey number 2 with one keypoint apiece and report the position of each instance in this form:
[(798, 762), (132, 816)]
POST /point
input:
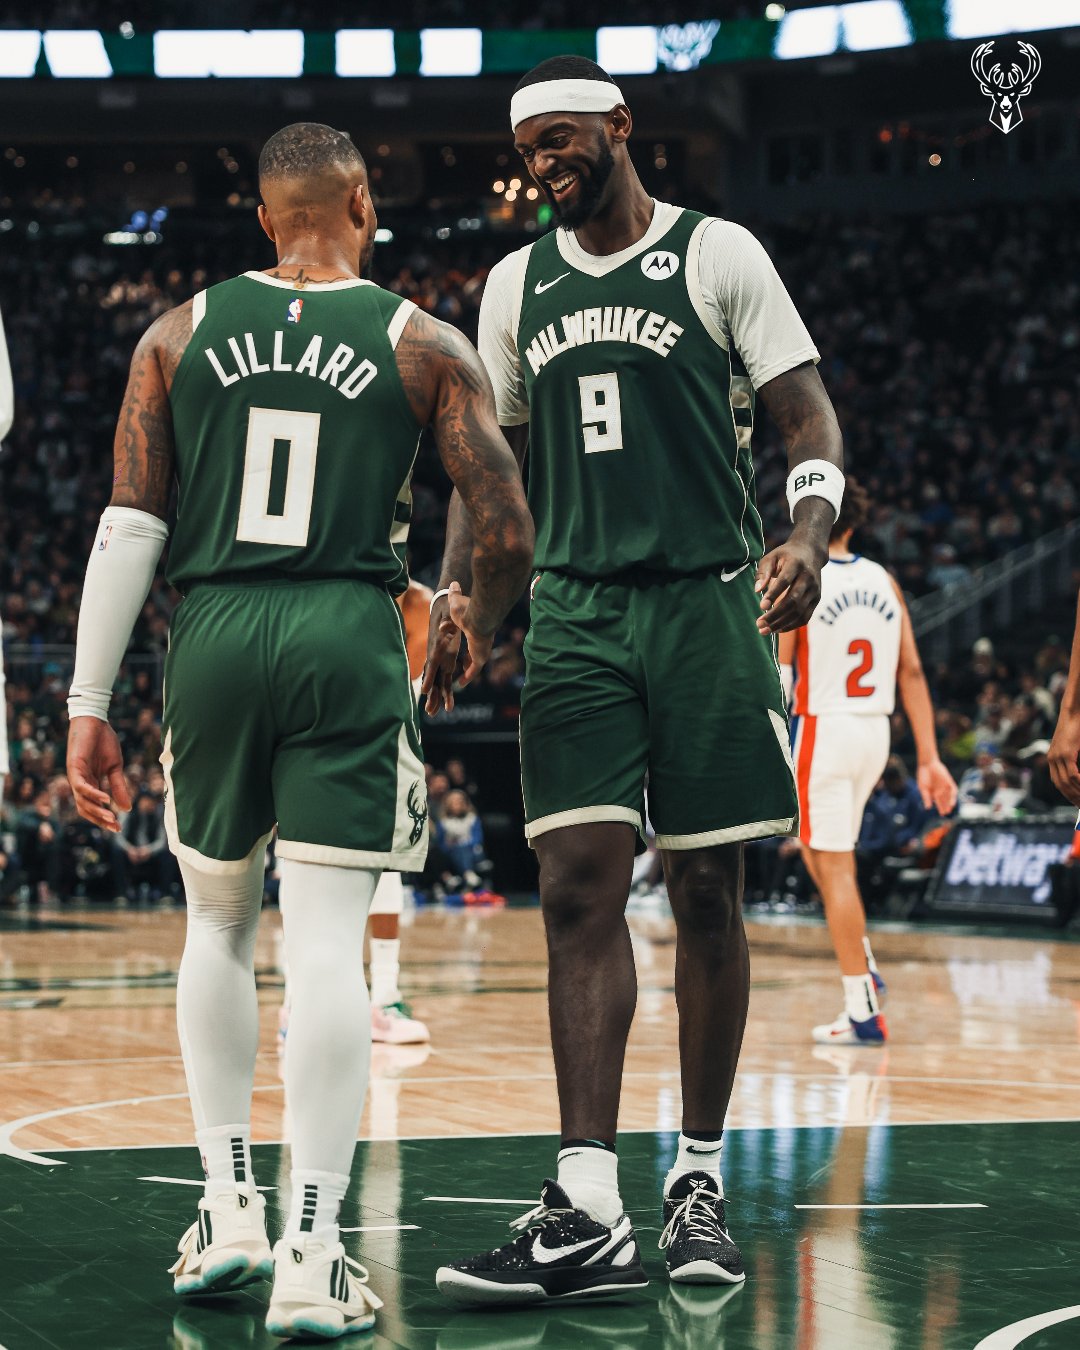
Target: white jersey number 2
[(300, 432), (601, 412)]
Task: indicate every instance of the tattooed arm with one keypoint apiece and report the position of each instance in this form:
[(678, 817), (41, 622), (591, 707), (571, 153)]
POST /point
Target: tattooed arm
[(458, 549), (143, 451), (447, 386), (122, 563), (790, 576)]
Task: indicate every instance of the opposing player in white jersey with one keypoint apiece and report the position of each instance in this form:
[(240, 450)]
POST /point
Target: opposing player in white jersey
[(846, 664)]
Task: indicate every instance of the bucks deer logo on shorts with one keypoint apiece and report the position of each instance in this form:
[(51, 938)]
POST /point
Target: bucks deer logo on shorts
[(418, 813)]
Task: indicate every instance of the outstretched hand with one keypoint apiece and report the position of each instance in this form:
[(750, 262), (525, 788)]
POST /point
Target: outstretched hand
[(95, 769), (450, 620), (444, 647), (789, 583), (1064, 757), (936, 787), (479, 644)]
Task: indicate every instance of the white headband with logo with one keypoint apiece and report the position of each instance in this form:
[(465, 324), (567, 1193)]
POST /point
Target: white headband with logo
[(572, 96)]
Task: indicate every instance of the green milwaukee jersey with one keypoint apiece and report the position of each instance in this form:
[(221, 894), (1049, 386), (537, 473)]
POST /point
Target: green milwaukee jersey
[(295, 440), (640, 414)]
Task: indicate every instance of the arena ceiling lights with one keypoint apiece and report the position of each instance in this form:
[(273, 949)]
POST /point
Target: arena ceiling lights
[(379, 53)]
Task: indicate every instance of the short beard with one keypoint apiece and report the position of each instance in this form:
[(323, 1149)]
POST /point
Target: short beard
[(590, 190)]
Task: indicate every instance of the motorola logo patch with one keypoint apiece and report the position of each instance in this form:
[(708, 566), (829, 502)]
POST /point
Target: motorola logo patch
[(659, 265)]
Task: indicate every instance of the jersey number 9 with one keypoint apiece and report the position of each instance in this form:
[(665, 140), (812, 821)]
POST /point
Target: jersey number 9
[(601, 412)]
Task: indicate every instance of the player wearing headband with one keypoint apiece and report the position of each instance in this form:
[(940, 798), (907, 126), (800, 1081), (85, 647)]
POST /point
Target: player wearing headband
[(627, 348)]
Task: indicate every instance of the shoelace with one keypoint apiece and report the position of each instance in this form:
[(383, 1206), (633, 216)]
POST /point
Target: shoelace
[(186, 1247), (358, 1283), (537, 1218), (701, 1219)]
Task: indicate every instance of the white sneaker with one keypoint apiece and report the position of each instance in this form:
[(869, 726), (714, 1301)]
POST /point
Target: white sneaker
[(393, 1025), (849, 1031), (316, 1294), (226, 1247)]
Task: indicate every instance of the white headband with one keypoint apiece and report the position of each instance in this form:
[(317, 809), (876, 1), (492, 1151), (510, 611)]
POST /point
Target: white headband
[(573, 96)]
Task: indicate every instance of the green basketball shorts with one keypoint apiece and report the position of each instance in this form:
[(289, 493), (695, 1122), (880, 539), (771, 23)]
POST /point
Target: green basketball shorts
[(663, 681), (289, 703)]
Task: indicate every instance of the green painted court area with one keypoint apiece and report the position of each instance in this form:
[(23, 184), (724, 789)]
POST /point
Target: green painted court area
[(84, 1247)]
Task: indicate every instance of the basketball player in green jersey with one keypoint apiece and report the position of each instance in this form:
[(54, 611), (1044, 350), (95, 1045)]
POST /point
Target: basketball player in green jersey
[(287, 404), (627, 347)]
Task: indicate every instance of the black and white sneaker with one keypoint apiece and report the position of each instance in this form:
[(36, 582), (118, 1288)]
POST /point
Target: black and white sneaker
[(560, 1253), (695, 1237)]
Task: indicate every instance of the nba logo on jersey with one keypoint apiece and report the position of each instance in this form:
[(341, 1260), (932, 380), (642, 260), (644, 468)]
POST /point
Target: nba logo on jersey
[(295, 306)]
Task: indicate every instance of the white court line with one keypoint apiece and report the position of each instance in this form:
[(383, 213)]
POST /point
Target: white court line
[(1005, 1338), (188, 1181), (384, 1228), (891, 1207), (11, 1127), (7, 1130), (473, 1200)]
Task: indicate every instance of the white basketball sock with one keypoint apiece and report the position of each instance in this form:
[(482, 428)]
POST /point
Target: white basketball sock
[(217, 1013), (696, 1155), (871, 964), (385, 970), (324, 913), (226, 1157), (860, 997), (315, 1206), (590, 1177)]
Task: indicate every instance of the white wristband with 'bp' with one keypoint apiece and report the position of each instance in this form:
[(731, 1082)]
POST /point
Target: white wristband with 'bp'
[(815, 478)]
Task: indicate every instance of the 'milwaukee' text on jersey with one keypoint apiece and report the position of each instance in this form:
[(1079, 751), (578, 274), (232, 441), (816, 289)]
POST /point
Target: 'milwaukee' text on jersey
[(607, 323), (342, 364)]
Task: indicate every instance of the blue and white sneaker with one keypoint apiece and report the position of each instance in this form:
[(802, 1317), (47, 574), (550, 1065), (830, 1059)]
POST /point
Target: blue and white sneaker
[(849, 1031), (226, 1247), (319, 1292), (880, 987)]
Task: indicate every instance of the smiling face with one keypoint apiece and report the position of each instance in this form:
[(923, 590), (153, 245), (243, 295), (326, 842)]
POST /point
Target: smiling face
[(570, 158)]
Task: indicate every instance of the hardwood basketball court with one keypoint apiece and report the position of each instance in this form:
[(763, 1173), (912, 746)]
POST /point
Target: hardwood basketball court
[(922, 1195)]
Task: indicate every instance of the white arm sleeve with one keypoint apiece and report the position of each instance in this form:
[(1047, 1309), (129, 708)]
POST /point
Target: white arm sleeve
[(7, 391), (497, 339), (748, 302), (118, 576)]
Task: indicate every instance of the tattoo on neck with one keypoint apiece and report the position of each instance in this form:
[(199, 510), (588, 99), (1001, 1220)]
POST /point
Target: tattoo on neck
[(295, 273)]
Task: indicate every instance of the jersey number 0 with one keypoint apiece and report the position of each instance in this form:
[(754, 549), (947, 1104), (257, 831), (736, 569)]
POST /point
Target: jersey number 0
[(288, 525)]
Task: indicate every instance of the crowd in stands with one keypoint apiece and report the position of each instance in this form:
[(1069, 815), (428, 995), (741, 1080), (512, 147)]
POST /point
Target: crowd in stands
[(949, 346), (322, 14)]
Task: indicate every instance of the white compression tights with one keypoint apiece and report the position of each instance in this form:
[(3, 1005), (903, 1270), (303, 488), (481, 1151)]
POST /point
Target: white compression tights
[(217, 1012), (324, 913)]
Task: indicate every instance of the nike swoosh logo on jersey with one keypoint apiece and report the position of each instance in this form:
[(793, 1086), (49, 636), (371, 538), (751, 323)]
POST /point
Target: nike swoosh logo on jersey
[(725, 575), (542, 286), (546, 1255)]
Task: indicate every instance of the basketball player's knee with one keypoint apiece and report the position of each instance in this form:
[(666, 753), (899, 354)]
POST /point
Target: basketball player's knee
[(705, 896), (570, 907)]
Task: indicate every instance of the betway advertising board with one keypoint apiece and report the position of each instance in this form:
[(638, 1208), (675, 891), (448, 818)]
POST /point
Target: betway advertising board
[(992, 868)]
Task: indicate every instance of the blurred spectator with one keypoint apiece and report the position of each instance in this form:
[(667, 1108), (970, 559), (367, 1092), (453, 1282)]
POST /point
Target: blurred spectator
[(460, 836), (38, 834), (141, 857), (895, 815)]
